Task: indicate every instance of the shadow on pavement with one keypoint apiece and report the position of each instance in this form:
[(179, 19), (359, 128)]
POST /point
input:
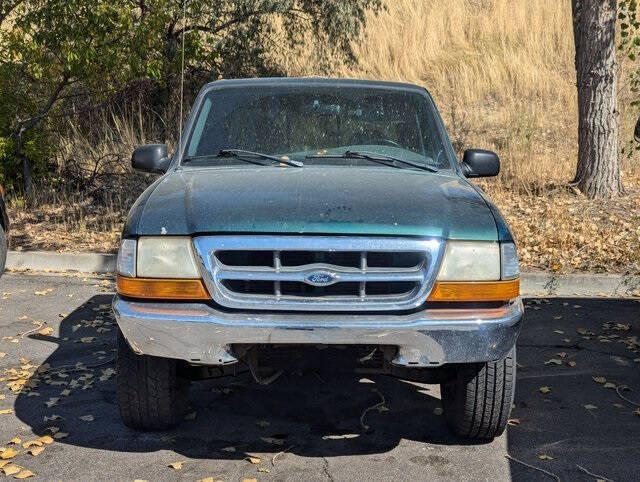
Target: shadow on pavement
[(600, 338), (229, 412)]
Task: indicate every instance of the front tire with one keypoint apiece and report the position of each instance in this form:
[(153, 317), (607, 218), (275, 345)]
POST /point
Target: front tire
[(151, 394), (477, 401)]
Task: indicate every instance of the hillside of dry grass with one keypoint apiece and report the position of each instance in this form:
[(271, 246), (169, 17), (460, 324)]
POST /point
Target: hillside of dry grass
[(502, 74)]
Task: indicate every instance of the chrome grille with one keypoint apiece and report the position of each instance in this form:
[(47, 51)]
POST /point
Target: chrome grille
[(318, 273)]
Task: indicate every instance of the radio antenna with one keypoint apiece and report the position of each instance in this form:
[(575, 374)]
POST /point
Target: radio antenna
[(184, 27)]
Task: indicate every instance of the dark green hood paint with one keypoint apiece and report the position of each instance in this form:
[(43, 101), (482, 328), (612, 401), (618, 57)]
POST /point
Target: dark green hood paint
[(317, 200)]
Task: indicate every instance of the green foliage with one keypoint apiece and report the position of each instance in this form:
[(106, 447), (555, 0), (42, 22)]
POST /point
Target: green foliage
[(61, 57), (630, 39)]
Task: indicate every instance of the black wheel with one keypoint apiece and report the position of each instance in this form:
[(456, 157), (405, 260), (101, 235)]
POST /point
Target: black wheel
[(3, 249), (151, 394), (477, 401)]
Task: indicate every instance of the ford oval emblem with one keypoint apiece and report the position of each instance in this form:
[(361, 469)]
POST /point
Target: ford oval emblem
[(320, 278)]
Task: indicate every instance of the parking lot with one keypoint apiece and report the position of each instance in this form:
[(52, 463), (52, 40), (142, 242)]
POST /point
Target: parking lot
[(571, 410)]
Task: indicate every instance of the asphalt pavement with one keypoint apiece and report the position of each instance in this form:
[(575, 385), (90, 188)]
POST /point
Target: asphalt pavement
[(57, 379)]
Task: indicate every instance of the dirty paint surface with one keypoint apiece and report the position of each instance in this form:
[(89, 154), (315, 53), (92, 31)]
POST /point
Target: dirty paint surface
[(313, 200)]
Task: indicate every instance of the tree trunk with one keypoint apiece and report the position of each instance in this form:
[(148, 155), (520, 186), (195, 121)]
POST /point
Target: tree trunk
[(26, 177), (598, 172)]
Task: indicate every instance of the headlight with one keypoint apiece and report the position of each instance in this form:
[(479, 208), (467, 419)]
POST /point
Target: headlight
[(477, 271), (470, 261), (159, 268), (166, 257)]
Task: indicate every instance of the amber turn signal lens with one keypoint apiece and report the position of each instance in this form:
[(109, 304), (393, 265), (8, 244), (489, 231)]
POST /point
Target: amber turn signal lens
[(162, 289), (475, 291)]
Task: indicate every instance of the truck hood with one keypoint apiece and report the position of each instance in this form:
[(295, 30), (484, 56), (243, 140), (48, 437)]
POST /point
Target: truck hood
[(318, 200)]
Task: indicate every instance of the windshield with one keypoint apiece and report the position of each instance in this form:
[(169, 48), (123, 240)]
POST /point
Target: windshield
[(303, 122)]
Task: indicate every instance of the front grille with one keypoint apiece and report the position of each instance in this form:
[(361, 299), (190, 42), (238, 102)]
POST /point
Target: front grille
[(318, 273)]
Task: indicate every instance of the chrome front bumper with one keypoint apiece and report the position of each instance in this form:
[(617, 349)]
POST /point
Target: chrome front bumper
[(200, 334)]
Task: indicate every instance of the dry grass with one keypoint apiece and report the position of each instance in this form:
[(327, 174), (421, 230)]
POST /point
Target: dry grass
[(85, 206), (502, 74)]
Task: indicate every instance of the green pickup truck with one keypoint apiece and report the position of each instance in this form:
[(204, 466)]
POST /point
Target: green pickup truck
[(316, 214)]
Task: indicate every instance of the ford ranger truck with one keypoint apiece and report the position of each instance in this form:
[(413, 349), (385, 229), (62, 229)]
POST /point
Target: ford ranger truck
[(306, 214)]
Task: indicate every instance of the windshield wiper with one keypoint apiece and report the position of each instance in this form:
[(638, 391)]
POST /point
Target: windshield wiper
[(241, 154), (245, 156), (375, 157)]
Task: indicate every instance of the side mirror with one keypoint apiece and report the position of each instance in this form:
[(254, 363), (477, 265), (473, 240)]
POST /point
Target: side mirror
[(151, 158), (480, 163), (636, 132)]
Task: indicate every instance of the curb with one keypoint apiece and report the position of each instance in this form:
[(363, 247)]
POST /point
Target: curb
[(52, 261), (532, 283)]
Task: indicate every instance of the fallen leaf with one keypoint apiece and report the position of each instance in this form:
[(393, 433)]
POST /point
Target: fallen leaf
[(206, 479), (87, 418), (59, 435), (637, 411), (263, 423), (229, 449), (545, 389), (8, 453), (6, 411), (31, 443), (249, 480), (341, 437), (272, 440), (562, 354), (513, 421), (15, 441), (571, 363), (47, 439), (11, 469), (191, 416), (176, 465), (438, 411), (599, 379), (43, 292), (87, 339), (263, 469), (590, 407), (52, 417), (106, 374), (253, 460), (66, 392), (609, 385), (46, 331), (554, 361), (36, 450), (2, 354), (559, 332), (545, 457), (24, 474), (51, 402)]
